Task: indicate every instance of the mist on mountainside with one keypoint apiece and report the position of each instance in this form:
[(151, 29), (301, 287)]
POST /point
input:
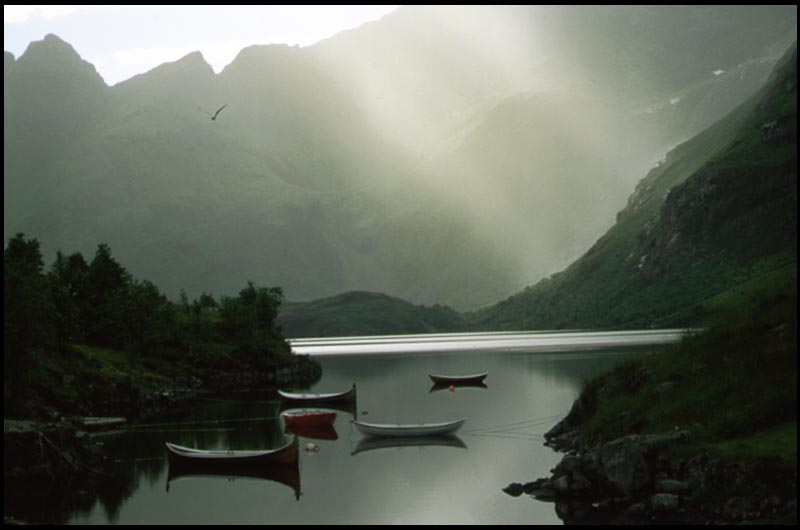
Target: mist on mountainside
[(442, 155)]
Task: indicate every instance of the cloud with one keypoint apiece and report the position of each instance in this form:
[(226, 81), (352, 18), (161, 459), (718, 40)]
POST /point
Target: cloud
[(22, 14)]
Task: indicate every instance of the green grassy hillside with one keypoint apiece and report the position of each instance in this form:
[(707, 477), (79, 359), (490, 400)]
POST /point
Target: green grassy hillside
[(713, 225)]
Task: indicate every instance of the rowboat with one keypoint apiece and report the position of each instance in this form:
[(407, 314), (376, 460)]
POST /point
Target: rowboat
[(286, 454), (456, 379), (308, 418), (339, 397), (420, 429)]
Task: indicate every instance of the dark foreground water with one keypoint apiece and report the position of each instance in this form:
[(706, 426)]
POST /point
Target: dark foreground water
[(349, 480)]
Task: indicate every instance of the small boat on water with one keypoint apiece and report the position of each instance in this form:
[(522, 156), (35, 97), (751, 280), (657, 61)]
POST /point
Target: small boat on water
[(308, 418), (337, 397), (398, 430), (457, 379), (286, 454)]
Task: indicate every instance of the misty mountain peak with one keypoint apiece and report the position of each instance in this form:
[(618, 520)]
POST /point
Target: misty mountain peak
[(194, 59), (260, 55), (52, 56), (8, 61), (51, 45), (192, 65), (188, 73)]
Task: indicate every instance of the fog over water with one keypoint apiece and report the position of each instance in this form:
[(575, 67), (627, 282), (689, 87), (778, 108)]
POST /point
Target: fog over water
[(544, 341)]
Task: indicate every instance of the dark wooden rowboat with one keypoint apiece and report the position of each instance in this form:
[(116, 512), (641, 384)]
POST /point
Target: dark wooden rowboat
[(338, 397), (457, 379), (286, 454)]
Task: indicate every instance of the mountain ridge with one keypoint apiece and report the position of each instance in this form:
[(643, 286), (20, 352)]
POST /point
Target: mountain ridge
[(343, 126)]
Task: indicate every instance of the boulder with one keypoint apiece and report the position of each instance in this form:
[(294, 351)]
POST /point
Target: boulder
[(662, 503)]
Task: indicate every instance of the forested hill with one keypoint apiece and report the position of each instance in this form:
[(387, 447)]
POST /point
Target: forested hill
[(364, 313), (713, 226)]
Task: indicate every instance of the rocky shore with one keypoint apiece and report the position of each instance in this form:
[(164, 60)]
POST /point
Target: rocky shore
[(636, 479)]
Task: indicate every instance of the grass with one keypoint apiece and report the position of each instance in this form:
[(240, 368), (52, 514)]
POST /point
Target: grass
[(734, 387), (731, 385), (87, 379), (778, 442)]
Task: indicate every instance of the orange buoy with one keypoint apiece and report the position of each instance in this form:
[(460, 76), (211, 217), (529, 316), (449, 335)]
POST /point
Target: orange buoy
[(452, 389)]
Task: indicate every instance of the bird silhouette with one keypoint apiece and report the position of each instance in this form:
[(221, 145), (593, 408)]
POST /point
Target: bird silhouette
[(214, 116)]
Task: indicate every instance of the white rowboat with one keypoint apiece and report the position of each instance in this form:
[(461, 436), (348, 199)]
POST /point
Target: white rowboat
[(421, 429)]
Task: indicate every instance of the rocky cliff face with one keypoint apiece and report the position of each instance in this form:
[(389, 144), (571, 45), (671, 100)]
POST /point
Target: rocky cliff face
[(745, 198)]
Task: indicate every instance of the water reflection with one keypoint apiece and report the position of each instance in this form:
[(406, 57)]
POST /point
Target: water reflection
[(451, 386), (325, 432), (355, 480), (444, 440), (288, 475)]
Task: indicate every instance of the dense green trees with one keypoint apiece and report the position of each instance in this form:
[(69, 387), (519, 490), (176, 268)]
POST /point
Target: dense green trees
[(100, 304), (248, 320), (27, 308)]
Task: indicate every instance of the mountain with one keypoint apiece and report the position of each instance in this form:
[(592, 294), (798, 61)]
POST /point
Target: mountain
[(363, 313), (407, 156), (711, 227)]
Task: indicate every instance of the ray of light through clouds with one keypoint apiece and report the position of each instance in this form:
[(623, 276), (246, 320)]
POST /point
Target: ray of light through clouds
[(123, 41), (423, 80)]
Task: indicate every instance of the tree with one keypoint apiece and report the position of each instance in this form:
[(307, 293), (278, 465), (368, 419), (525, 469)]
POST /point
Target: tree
[(67, 286), (248, 321), (26, 307), (148, 319), (103, 313)]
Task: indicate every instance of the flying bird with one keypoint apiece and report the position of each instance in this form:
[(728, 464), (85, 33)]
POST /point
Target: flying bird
[(214, 116)]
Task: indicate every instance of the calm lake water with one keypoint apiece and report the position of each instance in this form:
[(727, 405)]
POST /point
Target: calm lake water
[(455, 481)]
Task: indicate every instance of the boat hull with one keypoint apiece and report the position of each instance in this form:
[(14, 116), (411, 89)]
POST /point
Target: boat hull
[(340, 397), (309, 419), (286, 454), (398, 430)]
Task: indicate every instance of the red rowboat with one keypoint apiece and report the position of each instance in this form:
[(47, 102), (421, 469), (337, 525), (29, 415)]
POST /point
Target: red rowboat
[(309, 418)]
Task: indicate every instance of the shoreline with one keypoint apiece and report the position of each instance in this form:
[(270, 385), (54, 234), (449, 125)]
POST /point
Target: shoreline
[(704, 432), (644, 479)]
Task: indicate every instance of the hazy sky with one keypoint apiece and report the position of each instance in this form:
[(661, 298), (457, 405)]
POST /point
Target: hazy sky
[(122, 41)]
